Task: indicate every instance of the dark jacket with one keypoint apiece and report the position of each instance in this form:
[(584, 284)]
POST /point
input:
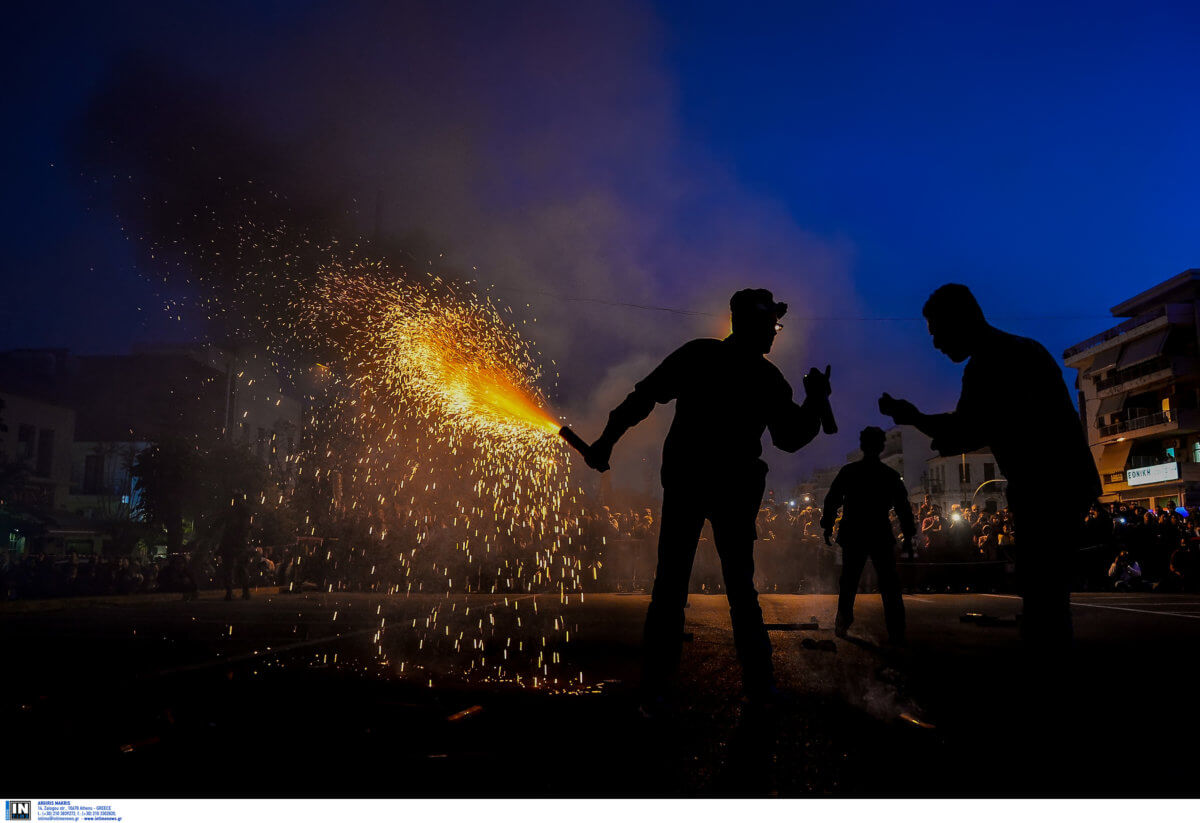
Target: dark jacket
[(1014, 401), (868, 489), (725, 396)]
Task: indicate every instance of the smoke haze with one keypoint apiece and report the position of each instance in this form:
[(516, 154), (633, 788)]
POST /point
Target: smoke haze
[(536, 150)]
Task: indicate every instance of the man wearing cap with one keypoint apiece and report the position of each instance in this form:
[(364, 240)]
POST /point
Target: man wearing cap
[(727, 393)]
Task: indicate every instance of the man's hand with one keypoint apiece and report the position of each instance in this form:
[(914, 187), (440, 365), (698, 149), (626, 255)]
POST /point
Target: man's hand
[(598, 455), (828, 534), (901, 411), (817, 389), (816, 383)]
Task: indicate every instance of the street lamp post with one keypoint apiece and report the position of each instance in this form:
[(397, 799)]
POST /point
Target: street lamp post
[(984, 483)]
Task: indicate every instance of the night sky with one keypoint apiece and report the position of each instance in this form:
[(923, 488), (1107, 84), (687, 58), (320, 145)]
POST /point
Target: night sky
[(850, 156)]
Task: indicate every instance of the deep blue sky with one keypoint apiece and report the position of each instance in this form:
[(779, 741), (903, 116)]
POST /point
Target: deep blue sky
[(1044, 155)]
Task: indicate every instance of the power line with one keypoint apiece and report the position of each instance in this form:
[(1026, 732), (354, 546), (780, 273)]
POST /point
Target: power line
[(859, 318)]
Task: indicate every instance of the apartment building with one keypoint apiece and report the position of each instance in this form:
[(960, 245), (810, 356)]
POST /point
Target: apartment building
[(1139, 396), (38, 437), (963, 480), (120, 404)]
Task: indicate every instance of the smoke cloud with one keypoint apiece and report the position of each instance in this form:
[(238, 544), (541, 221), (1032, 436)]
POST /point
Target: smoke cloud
[(536, 149)]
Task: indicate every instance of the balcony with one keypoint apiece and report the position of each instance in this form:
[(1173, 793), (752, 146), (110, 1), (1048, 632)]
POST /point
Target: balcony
[(1115, 331), (1143, 374), (1162, 422), (1156, 419), (1124, 376)]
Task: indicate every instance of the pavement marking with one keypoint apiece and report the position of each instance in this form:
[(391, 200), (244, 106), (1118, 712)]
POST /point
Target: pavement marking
[(919, 599), (1140, 602), (1138, 611), (1111, 608)]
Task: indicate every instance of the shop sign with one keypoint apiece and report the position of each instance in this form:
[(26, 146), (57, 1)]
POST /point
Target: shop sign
[(1152, 474)]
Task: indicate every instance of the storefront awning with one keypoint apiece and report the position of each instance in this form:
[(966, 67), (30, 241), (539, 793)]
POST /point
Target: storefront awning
[(1143, 348), (1104, 360), (1108, 405), (1114, 457)]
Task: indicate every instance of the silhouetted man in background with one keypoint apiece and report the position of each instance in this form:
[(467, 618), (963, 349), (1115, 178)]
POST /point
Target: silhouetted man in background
[(868, 490), (726, 394), (1014, 401), (234, 548)]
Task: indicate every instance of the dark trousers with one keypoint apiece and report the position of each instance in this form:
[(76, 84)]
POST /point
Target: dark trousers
[(1046, 544), (234, 569), (883, 558), (732, 512)]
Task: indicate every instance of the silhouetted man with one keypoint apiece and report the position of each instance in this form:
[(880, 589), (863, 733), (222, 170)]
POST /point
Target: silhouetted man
[(234, 548), (1014, 401), (868, 490), (726, 394)]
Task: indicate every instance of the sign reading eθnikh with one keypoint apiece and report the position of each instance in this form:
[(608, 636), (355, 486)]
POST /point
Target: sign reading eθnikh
[(1152, 474)]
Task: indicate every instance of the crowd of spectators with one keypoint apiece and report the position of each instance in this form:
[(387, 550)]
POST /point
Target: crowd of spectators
[(963, 533), (1133, 548), (37, 574), (1126, 548)]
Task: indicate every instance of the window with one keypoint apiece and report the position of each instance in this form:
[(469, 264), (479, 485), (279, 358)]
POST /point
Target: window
[(45, 452), (93, 474), (26, 437), (989, 471)]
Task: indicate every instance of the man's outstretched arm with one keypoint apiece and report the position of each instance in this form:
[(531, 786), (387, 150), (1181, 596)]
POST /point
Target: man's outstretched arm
[(953, 432), (660, 386)]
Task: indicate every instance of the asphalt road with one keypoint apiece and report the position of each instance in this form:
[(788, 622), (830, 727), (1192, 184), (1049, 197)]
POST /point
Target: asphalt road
[(355, 695)]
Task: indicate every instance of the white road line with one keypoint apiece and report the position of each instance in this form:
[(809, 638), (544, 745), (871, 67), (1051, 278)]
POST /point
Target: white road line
[(1135, 602), (1113, 608), (920, 599), (1138, 611)]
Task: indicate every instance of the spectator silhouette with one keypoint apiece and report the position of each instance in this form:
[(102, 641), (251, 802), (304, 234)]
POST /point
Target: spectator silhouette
[(234, 548), (726, 394), (868, 490), (1014, 401)]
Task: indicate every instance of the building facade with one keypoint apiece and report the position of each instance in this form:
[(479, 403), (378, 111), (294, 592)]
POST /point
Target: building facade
[(121, 404), (964, 480), (1139, 396), (38, 438)]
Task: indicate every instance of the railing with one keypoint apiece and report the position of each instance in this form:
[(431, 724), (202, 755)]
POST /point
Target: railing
[(1148, 461), (1156, 419), (1115, 331), (1134, 372)]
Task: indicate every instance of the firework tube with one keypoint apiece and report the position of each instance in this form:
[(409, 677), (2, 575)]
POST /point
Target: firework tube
[(828, 423), (577, 443)]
